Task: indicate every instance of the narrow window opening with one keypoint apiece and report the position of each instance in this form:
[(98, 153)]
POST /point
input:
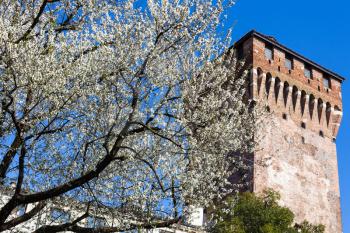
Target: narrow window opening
[(268, 109), (284, 116), (288, 62), (303, 125), (307, 72), (321, 133), (326, 82), (269, 52), (302, 140)]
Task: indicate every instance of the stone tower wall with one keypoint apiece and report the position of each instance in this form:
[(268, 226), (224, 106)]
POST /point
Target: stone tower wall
[(297, 154), (302, 167)]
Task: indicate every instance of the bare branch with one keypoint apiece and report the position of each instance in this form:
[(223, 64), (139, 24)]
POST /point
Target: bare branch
[(146, 226), (62, 227), (25, 217), (20, 170)]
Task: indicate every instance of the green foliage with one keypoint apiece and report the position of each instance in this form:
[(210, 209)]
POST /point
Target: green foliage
[(249, 213), (306, 227)]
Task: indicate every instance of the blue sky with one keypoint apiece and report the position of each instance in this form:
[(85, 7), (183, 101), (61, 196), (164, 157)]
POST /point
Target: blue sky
[(319, 30)]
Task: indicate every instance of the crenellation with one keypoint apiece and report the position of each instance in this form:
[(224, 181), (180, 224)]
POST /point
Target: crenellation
[(277, 68), (290, 100)]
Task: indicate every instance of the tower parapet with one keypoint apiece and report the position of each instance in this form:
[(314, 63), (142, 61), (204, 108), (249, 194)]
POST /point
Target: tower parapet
[(292, 85)]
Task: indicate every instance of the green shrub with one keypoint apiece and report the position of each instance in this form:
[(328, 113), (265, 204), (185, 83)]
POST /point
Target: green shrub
[(249, 213)]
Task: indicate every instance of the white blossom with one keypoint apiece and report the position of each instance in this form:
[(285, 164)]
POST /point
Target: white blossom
[(132, 106)]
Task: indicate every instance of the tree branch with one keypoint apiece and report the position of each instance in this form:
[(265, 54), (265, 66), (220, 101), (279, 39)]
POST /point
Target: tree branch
[(35, 21), (62, 227), (25, 217), (20, 170), (145, 226), (5, 163), (157, 133)]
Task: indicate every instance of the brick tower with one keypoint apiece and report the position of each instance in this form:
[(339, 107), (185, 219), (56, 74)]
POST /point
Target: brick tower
[(297, 154)]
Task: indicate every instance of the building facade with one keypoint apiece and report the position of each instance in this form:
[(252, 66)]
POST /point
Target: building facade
[(296, 152)]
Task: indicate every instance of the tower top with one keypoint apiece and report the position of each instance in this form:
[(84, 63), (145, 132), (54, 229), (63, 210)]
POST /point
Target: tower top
[(273, 42), (291, 85)]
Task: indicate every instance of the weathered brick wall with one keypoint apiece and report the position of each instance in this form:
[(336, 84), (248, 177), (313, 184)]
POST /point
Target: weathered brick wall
[(305, 100), (297, 154), (302, 167), (296, 76)]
